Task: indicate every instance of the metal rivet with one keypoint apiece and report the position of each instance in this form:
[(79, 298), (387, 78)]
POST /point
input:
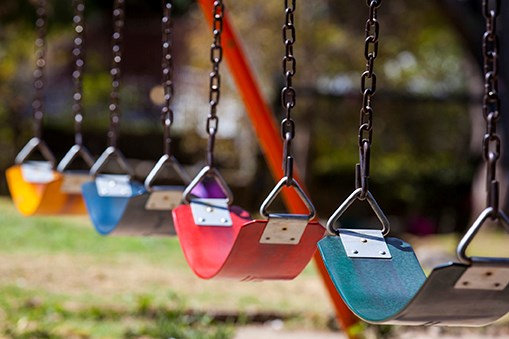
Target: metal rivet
[(267, 238), (355, 252), (488, 274), (284, 229), (209, 209), (223, 220), (201, 219), (497, 284), (466, 283), (292, 239), (364, 240), (383, 253)]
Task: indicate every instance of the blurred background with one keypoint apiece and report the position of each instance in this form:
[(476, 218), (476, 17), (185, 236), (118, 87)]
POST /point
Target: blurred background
[(59, 279), (428, 123)]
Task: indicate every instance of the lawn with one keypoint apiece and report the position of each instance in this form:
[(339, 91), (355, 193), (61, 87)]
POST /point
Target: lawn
[(60, 279)]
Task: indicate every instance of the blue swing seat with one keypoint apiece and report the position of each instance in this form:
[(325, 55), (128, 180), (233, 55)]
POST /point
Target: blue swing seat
[(107, 211)]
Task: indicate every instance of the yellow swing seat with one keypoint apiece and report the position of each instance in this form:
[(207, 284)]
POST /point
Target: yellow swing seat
[(35, 186)]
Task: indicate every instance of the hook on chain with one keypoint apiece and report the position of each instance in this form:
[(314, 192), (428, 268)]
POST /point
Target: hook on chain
[(491, 144), (115, 71), (40, 68), (167, 71), (216, 56)]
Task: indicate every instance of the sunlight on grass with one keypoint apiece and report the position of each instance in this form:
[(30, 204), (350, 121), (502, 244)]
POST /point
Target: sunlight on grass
[(60, 279)]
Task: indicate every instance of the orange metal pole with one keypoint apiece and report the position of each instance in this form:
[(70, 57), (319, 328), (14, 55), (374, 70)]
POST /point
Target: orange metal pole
[(268, 134)]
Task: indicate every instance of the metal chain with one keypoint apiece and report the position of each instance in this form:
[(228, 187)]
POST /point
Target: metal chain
[(491, 101), (116, 46), (288, 97), (368, 90), (216, 56), (79, 63), (40, 65), (167, 69)]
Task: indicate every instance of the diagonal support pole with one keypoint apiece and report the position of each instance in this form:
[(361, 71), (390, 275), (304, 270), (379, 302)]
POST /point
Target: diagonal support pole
[(267, 132)]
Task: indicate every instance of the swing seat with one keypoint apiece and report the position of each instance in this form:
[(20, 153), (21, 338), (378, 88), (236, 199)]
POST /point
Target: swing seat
[(237, 250), (223, 241), (394, 289), (108, 198), (36, 190), (119, 206), (142, 214)]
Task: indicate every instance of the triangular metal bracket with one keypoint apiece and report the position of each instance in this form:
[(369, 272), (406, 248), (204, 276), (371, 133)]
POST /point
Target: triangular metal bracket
[(113, 185), (285, 229), (164, 198), (484, 278), (37, 172), (211, 212), (364, 243)]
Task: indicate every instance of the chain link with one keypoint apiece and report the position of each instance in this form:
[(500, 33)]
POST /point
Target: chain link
[(491, 101), (368, 90), (40, 67), (288, 94), (216, 56), (79, 63), (167, 69), (116, 46)]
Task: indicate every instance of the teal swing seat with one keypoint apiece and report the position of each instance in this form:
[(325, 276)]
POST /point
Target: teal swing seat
[(381, 281)]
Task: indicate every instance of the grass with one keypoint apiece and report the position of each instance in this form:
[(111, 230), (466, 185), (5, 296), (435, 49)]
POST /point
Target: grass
[(40, 297), (60, 279)]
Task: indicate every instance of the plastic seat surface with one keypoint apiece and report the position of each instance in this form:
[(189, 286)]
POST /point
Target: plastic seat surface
[(236, 252), (396, 291), (107, 212), (42, 198)]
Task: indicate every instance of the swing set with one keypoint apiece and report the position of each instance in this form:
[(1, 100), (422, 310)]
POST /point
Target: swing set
[(379, 278)]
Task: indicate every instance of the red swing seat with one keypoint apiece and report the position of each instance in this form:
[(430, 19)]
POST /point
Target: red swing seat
[(243, 250)]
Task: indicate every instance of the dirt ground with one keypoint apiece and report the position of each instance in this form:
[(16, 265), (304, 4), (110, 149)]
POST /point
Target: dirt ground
[(274, 332), (76, 275)]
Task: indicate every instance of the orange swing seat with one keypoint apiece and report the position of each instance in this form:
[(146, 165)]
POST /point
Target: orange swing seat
[(36, 188)]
